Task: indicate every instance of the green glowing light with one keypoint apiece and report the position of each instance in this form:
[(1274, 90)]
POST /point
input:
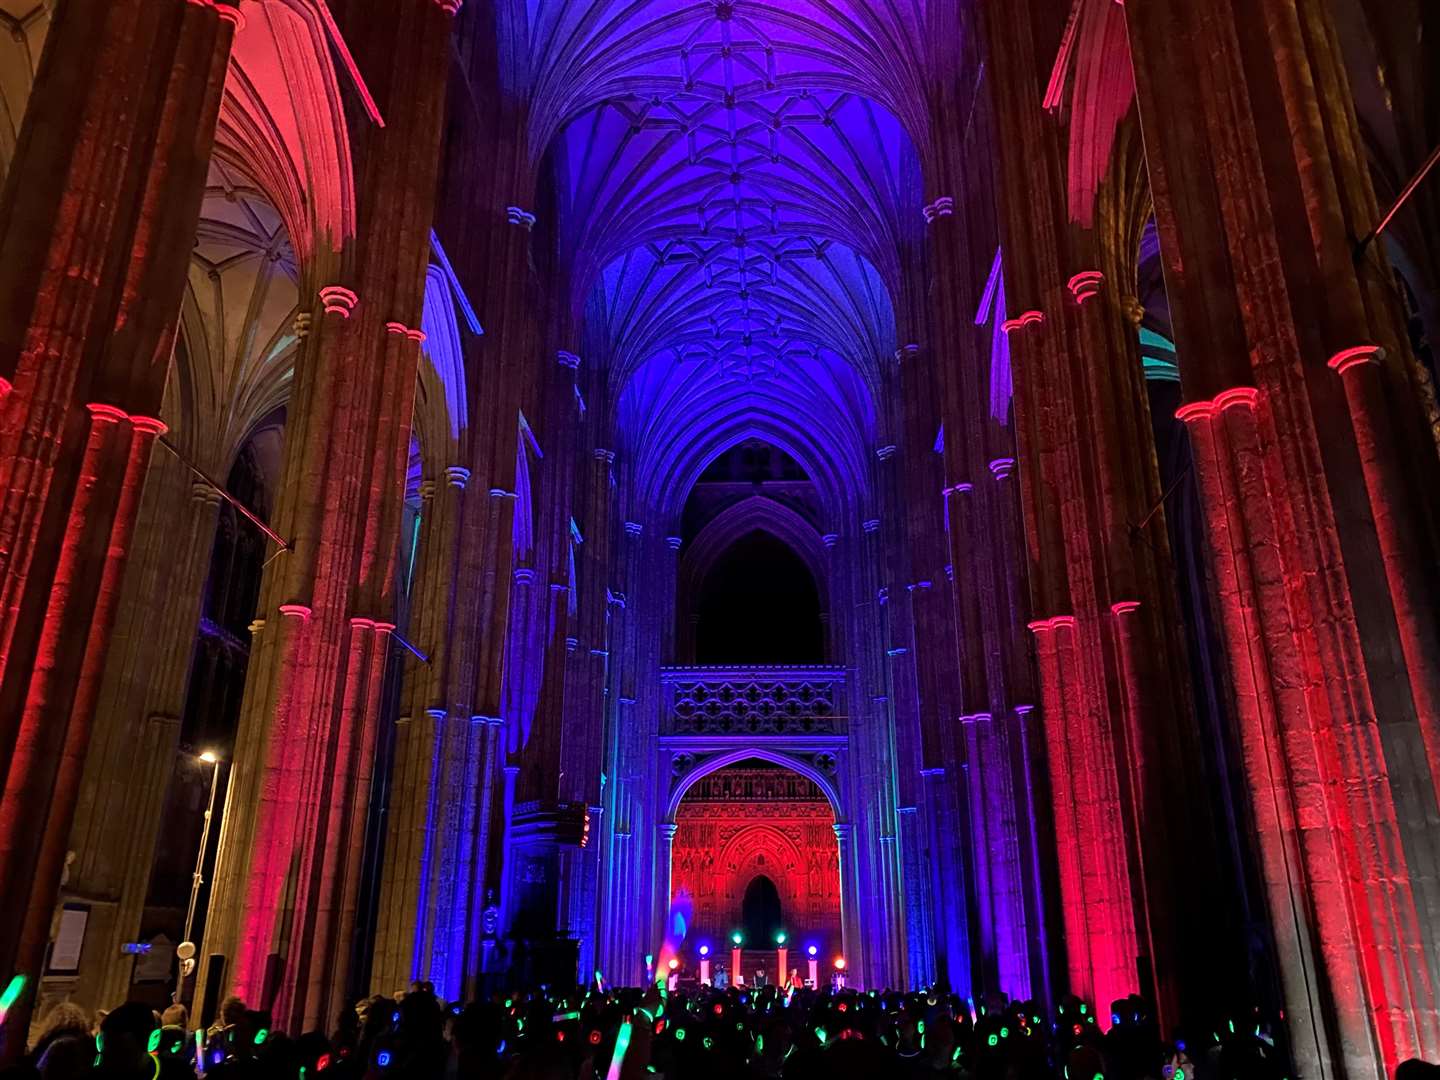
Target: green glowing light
[(154, 1043), (993, 1040), (780, 938), (820, 1034), (622, 1046), (1004, 1032), (737, 939), (261, 1036), (12, 993), (679, 1034)]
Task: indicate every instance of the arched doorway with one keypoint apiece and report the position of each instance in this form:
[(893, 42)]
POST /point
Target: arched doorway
[(755, 851), (760, 912)]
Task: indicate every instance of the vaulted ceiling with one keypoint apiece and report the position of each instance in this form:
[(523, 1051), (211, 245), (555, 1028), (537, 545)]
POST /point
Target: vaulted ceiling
[(738, 184)]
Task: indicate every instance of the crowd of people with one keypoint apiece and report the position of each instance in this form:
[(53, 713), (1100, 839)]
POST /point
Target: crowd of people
[(696, 1033)]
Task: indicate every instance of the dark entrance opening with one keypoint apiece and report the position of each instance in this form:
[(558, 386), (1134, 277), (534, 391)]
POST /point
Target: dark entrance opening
[(760, 911)]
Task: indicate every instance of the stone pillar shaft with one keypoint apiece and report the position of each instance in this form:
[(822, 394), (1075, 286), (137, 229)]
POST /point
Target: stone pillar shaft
[(290, 849), (96, 225)]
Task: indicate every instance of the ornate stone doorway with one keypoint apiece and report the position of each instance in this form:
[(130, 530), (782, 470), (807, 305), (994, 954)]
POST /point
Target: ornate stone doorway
[(755, 851)]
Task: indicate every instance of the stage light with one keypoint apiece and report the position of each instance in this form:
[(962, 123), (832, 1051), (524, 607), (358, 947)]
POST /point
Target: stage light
[(780, 937), (811, 951), (673, 963), (704, 950), (737, 939), (839, 963), (209, 757)]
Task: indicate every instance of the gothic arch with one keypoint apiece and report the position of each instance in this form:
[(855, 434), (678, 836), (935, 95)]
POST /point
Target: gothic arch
[(784, 759), (282, 121), (754, 513)]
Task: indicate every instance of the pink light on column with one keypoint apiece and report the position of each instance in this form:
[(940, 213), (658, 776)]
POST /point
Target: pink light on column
[(1086, 284), (1345, 359), (1025, 318), (400, 329), (338, 300)]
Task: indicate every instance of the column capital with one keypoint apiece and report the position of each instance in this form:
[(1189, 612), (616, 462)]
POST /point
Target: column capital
[(1085, 285), (885, 453), (338, 300), (568, 359), (517, 216), (1033, 317), (943, 206), (674, 542), (1355, 357), (1244, 396), (399, 328), (633, 528), (203, 492), (1002, 467), (830, 539), (601, 454), (457, 476), (871, 525), (1055, 622)]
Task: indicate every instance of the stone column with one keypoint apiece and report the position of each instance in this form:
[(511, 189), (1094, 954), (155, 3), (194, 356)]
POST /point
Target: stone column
[(290, 851), (137, 723), (1317, 491), (95, 235)]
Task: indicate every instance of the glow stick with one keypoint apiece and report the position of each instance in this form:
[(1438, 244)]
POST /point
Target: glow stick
[(199, 1052), (11, 994), (622, 1044)]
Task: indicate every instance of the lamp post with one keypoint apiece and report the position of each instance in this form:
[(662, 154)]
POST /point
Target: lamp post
[(704, 965), (186, 950), (839, 973), (811, 952), (737, 939), (782, 957)]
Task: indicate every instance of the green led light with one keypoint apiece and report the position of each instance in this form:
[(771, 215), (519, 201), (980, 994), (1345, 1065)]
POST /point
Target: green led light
[(261, 1035), (154, 1043), (993, 1040), (679, 1034), (12, 993), (1004, 1032)]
